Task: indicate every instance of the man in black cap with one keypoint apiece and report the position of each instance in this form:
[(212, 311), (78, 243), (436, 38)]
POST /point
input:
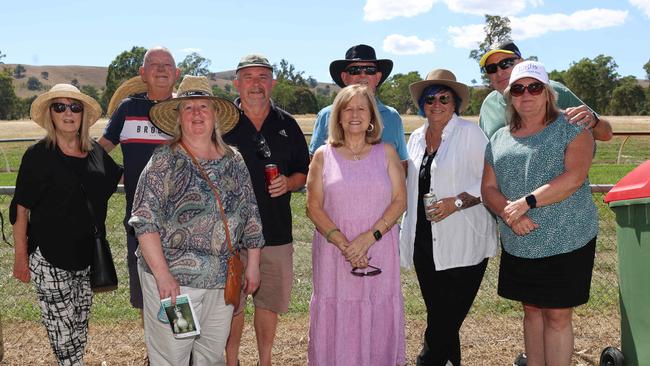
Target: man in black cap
[(265, 134), (361, 66), (497, 63)]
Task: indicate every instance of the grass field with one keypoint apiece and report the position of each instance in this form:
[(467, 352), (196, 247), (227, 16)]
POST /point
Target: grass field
[(491, 335)]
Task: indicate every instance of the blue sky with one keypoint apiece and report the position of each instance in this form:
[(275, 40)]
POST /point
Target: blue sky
[(418, 35)]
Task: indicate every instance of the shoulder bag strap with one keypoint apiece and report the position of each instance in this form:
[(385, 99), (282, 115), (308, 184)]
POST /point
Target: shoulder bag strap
[(216, 194)]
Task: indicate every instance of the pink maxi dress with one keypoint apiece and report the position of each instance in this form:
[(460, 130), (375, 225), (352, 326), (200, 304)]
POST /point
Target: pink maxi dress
[(356, 320)]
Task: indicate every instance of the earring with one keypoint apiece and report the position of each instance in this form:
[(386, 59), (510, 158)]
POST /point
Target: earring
[(370, 128)]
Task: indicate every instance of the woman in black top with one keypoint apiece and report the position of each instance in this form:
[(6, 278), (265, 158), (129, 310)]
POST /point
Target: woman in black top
[(51, 223)]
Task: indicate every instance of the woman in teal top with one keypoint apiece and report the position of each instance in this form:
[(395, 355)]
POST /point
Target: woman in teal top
[(535, 181)]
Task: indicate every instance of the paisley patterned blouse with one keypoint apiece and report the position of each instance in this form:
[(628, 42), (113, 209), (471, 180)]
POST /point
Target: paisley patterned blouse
[(174, 200)]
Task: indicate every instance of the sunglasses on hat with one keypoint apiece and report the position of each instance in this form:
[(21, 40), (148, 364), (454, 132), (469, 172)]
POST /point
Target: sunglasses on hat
[(504, 64), (443, 99), (536, 88), (356, 70), (60, 107)]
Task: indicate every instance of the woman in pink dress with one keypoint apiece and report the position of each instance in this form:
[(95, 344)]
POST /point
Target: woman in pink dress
[(355, 193)]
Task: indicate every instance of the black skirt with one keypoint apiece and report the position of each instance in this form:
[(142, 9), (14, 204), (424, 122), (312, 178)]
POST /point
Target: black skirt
[(559, 281)]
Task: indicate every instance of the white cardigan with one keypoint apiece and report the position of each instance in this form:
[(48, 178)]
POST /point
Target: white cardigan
[(467, 236)]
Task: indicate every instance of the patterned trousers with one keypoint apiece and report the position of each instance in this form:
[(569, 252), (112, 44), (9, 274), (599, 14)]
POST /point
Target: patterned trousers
[(65, 298)]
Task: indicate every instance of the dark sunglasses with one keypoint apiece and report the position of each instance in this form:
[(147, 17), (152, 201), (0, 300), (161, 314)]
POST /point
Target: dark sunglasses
[(261, 147), (373, 272), (506, 63), (517, 90), (443, 99), (60, 107), (356, 70)]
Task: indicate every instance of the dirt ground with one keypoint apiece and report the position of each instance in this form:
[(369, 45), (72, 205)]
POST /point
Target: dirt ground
[(486, 341)]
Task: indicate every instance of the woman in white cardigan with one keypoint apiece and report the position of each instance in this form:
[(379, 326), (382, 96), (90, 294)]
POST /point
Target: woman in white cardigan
[(449, 241)]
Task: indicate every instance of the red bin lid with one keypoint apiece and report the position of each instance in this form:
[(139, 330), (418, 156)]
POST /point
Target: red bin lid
[(636, 184)]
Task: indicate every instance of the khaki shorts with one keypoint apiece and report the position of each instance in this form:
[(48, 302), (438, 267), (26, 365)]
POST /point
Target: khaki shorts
[(276, 279)]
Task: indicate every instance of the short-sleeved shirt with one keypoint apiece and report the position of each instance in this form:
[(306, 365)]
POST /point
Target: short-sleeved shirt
[(523, 164), (49, 186), (493, 110), (393, 132), (130, 127), (174, 200), (288, 151)]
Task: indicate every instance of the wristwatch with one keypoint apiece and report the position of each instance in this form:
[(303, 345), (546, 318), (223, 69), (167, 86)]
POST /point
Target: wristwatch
[(377, 235), (531, 201), (459, 203)]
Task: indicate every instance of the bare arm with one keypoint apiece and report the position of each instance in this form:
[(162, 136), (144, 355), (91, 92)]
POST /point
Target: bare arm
[(21, 258), (152, 252), (583, 116), (107, 145), (282, 184), (252, 271)]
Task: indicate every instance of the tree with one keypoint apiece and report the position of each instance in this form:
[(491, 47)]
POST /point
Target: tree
[(558, 75), (628, 98), (497, 29), (90, 91), (8, 99), (312, 82), (476, 97), (288, 72), (593, 81), (34, 84), (646, 67), (395, 92), (226, 92), (45, 75), (125, 66), (75, 82), (19, 71), (194, 64), (2, 55)]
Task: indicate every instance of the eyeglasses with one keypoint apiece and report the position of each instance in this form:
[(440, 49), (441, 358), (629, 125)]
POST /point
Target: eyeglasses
[(262, 148), (373, 272), (443, 99), (74, 107), (506, 63), (517, 90), (357, 70)]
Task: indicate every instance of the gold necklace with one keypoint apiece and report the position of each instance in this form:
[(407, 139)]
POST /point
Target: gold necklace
[(356, 156)]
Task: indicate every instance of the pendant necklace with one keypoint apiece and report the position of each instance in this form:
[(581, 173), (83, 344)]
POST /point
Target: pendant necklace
[(356, 156)]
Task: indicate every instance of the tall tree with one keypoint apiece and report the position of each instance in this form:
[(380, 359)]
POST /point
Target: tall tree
[(194, 64), (476, 96), (497, 29), (122, 68), (288, 72), (395, 92), (2, 55), (646, 67), (628, 98), (90, 91), (8, 99), (593, 81), (19, 71)]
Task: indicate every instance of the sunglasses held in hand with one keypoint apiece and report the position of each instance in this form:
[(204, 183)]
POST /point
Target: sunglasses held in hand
[(517, 90), (60, 107), (356, 70), (372, 272), (504, 64)]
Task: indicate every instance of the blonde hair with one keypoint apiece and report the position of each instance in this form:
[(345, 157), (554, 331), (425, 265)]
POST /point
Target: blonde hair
[(513, 119), (335, 130), (222, 147), (83, 134)]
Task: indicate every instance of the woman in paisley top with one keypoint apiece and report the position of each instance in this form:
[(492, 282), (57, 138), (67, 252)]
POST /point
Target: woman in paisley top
[(177, 218)]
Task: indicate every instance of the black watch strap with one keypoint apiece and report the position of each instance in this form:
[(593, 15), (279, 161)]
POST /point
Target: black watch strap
[(531, 201), (377, 235)]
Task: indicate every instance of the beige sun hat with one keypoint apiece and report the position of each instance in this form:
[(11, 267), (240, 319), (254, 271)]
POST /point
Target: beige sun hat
[(441, 77), (40, 109), (165, 114), (134, 85)]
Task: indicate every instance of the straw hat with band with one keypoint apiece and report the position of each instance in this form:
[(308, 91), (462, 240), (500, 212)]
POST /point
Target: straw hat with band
[(360, 53), (40, 109), (134, 85), (164, 115), (441, 77)]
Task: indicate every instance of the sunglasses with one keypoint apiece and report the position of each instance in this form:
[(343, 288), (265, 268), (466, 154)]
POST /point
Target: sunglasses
[(357, 70), (372, 272), (74, 107), (261, 147), (506, 63), (517, 90), (443, 99)]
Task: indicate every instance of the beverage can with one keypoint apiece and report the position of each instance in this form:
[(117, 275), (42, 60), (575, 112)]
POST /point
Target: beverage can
[(271, 172), (428, 200)]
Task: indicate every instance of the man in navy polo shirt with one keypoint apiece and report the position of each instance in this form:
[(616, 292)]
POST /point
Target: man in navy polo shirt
[(130, 127), (266, 135)]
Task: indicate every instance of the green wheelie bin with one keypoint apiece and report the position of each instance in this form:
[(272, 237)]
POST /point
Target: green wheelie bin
[(630, 201)]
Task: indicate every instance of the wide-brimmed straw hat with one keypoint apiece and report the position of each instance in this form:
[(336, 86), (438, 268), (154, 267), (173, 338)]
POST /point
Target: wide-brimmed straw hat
[(165, 114), (134, 85), (40, 109), (360, 53), (441, 77)]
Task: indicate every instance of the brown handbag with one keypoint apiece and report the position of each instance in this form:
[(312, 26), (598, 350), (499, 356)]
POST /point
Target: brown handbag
[(235, 271)]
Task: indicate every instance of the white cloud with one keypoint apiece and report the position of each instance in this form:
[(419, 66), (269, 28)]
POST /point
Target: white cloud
[(644, 5), (191, 50), (376, 10), (532, 26), (407, 45), (494, 7)]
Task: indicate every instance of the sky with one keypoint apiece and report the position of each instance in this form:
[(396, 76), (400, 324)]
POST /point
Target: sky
[(418, 35)]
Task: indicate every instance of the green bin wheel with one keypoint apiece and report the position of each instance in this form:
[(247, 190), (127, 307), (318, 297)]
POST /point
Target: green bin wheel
[(611, 356), (521, 360)]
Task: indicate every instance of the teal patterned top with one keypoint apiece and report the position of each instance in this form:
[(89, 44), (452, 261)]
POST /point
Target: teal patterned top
[(174, 200), (524, 164)]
